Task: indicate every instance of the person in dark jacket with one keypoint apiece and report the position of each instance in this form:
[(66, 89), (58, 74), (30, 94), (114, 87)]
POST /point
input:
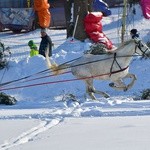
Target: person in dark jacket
[(46, 44)]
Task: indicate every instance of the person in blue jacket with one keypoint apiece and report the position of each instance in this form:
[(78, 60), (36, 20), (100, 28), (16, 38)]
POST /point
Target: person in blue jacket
[(100, 5)]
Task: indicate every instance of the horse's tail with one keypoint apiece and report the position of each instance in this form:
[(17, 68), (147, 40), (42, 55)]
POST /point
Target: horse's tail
[(56, 69)]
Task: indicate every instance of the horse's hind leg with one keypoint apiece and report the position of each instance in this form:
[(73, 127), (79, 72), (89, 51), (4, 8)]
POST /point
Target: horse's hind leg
[(91, 90), (102, 93)]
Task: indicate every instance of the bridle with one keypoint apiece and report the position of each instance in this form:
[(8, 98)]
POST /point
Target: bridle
[(139, 44)]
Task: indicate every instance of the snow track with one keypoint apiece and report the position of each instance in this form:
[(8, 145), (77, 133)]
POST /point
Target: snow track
[(30, 134), (49, 118)]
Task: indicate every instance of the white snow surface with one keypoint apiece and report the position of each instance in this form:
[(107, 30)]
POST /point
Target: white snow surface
[(46, 118)]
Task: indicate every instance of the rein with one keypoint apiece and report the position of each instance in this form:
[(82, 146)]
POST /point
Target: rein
[(24, 79), (139, 45), (61, 81)]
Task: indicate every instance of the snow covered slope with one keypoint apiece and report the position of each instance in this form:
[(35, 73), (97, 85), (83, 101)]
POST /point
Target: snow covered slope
[(45, 115)]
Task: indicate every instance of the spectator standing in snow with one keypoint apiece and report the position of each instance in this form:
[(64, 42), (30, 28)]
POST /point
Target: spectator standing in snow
[(33, 48), (46, 44)]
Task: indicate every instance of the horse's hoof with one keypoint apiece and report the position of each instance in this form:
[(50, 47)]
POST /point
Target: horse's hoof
[(106, 96), (125, 89), (111, 84)]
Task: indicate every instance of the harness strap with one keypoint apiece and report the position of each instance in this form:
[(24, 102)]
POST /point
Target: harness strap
[(60, 81), (140, 44), (118, 70), (115, 60)]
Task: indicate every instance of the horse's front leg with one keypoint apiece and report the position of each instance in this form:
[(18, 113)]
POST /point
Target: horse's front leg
[(133, 77), (118, 85)]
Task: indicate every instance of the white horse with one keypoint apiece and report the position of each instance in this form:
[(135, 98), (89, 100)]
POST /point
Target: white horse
[(112, 66)]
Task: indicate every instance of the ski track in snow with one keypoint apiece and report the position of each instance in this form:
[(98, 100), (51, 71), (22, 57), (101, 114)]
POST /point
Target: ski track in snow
[(46, 124), (49, 118), (30, 134), (52, 117)]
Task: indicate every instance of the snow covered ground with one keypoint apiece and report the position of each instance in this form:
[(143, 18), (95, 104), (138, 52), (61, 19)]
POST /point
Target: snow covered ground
[(46, 118)]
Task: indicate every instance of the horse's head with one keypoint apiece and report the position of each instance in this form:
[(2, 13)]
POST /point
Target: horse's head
[(142, 49)]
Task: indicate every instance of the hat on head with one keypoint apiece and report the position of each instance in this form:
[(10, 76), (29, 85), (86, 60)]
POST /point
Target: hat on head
[(134, 31), (31, 43)]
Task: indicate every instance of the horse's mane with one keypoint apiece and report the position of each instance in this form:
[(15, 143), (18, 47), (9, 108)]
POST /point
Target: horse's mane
[(124, 44), (127, 42)]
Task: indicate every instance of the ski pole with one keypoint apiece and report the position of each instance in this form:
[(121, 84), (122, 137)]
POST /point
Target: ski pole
[(75, 24)]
